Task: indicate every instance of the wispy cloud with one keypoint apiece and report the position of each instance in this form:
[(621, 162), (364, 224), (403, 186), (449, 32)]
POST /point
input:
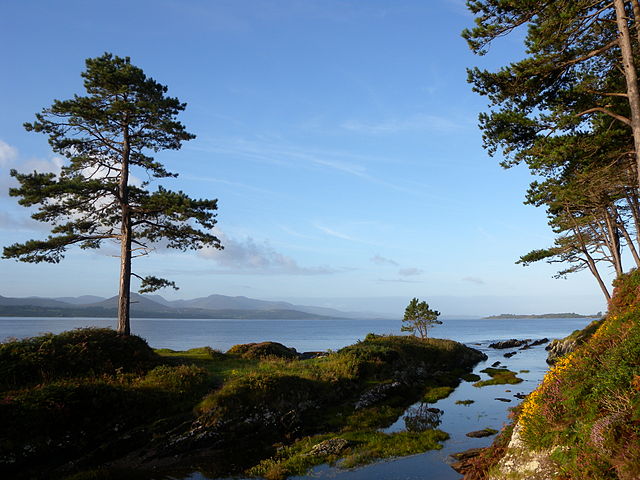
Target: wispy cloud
[(379, 260), (231, 184), (409, 272), (476, 280), (282, 154), (248, 256), (398, 280), (412, 123), (335, 233)]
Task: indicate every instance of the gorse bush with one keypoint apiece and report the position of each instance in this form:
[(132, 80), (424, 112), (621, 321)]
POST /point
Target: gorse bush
[(589, 402)]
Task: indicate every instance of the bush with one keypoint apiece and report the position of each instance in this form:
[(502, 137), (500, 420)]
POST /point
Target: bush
[(76, 353), (255, 351)]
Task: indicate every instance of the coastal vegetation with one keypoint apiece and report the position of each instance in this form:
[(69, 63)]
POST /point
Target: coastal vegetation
[(583, 421), (418, 318), (499, 376), (88, 398)]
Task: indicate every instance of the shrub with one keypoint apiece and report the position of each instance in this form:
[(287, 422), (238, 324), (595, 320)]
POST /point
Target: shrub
[(76, 353), (261, 350)]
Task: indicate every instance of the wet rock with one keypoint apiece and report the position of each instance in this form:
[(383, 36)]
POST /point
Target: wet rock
[(376, 394), (463, 463), (485, 432), (503, 399), (495, 364), (520, 396), (513, 343), (509, 354), (542, 341), (332, 446)]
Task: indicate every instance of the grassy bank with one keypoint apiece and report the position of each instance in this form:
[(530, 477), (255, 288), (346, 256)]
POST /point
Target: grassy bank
[(586, 413), (73, 401)]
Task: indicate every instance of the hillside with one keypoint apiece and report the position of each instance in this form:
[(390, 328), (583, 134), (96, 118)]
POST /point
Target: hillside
[(155, 306), (583, 421)]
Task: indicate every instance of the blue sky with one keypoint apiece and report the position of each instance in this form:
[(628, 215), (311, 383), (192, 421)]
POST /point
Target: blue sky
[(339, 137)]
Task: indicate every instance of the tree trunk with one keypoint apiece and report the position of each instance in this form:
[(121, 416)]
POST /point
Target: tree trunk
[(613, 240), (631, 77), (627, 237), (124, 297), (594, 271)]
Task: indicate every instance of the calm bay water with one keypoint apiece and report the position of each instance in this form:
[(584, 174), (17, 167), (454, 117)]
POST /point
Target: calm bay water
[(304, 335), (312, 335)]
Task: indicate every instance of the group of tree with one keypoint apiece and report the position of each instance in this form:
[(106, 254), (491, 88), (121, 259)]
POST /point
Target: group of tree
[(106, 136), (570, 111)]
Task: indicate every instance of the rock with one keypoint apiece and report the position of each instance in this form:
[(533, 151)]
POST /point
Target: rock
[(509, 354), (520, 395), (542, 341), (503, 399), (332, 446), (434, 410), (485, 432), (509, 343), (376, 394), (495, 364), (309, 355), (464, 459)]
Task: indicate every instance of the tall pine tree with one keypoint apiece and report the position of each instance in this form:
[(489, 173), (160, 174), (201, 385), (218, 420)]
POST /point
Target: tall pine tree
[(104, 135)]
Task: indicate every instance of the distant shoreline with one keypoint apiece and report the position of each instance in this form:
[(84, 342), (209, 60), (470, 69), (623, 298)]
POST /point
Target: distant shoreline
[(506, 316)]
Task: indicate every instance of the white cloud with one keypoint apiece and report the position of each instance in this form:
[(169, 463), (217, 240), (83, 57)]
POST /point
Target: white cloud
[(408, 272), (7, 154), (378, 260), (248, 256)]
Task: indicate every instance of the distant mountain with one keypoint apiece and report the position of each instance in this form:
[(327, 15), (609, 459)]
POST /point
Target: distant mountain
[(32, 301), (155, 306), (81, 300)]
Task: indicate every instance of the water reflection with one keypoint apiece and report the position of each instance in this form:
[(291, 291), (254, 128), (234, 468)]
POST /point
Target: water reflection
[(422, 417)]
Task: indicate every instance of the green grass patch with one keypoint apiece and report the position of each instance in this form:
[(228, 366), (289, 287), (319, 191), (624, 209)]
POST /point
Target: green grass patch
[(523, 371), (433, 394), (464, 402), (499, 376), (360, 448), (470, 377)]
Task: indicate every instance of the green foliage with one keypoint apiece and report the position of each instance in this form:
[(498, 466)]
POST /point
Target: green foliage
[(76, 353), (363, 447), (433, 394), (499, 376), (257, 351), (418, 317), (587, 405)]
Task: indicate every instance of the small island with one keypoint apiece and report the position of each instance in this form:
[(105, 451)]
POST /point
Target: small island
[(507, 316)]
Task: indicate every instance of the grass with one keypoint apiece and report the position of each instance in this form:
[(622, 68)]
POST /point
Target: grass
[(464, 402), (433, 394), (91, 394), (363, 447), (499, 376)]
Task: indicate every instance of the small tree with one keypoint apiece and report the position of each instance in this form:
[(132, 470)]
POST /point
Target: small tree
[(418, 317), (105, 135)]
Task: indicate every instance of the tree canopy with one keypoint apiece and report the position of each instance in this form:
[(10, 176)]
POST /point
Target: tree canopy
[(418, 318), (124, 118), (570, 111)]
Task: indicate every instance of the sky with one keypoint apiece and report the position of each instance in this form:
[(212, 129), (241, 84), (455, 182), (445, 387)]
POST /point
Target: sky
[(339, 136)]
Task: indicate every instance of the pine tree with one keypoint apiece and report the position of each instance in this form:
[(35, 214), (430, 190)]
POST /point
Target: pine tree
[(104, 135), (418, 317)]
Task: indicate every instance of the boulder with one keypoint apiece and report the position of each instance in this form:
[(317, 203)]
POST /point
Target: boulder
[(485, 432), (332, 446), (513, 343)]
